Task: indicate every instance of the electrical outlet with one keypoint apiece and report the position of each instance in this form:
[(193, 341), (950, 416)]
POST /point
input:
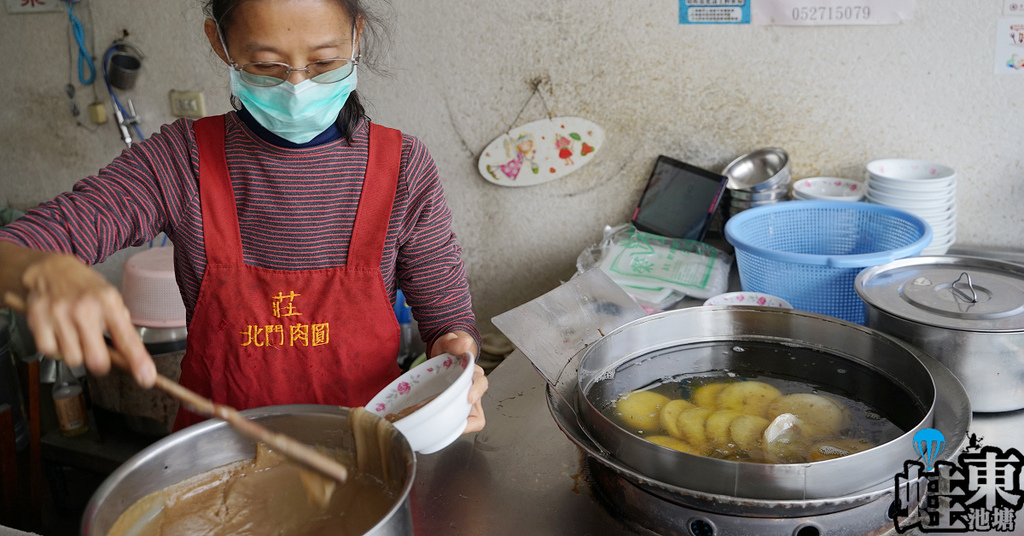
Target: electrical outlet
[(188, 104), (98, 113)]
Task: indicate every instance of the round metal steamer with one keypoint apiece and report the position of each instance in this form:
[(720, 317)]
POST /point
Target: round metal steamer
[(839, 356), (666, 508), (213, 443)]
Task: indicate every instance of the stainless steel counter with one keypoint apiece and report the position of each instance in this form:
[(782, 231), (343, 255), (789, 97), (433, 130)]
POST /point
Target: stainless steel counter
[(521, 475)]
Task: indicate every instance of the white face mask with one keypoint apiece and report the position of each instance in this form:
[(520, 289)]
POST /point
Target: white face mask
[(297, 113)]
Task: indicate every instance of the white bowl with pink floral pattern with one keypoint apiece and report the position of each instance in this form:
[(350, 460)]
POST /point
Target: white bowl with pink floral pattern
[(829, 189), (444, 382), (755, 299)]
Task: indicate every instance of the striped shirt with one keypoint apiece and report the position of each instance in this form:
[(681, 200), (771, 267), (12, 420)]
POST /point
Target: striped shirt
[(296, 210)]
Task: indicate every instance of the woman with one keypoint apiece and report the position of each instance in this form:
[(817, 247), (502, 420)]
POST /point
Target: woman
[(294, 220)]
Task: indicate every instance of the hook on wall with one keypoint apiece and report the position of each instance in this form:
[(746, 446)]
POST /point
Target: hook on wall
[(535, 84)]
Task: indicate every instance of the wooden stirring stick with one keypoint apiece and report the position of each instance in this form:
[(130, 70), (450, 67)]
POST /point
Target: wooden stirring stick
[(284, 444)]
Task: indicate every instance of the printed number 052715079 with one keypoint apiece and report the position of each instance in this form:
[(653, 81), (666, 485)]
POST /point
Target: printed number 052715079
[(831, 13)]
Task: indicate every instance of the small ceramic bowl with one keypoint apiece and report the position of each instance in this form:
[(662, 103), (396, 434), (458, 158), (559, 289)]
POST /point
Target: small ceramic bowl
[(756, 299), (930, 214), (829, 189), (444, 381), (940, 224), (907, 173), (908, 202), (891, 189)]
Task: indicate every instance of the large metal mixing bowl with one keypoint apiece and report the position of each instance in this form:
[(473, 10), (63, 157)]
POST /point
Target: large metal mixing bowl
[(849, 359), (213, 443)]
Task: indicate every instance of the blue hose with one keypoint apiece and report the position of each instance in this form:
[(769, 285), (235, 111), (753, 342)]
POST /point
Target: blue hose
[(83, 53)]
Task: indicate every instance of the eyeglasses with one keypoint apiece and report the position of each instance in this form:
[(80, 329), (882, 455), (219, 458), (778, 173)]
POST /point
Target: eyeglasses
[(273, 73)]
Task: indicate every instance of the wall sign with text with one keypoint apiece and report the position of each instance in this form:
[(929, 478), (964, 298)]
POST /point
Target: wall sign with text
[(796, 12), (714, 11), (830, 12)]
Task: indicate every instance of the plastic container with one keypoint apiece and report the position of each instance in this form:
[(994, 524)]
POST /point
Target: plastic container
[(810, 252), (69, 401), (150, 290), (123, 69)]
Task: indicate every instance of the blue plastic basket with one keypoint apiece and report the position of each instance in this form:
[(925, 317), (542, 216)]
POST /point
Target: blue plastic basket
[(810, 252)]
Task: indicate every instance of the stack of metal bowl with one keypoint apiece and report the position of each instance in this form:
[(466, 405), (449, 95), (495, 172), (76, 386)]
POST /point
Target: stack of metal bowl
[(757, 178)]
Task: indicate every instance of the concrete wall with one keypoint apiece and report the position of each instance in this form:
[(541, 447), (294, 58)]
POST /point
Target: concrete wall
[(833, 97)]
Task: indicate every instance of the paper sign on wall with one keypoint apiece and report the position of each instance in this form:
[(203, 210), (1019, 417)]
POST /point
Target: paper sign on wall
[(714, 11), (1010, 46), (830, 12), (1013, 8), (34, 6)]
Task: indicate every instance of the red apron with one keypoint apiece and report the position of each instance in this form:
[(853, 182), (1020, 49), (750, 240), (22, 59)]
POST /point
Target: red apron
[(260, 336)]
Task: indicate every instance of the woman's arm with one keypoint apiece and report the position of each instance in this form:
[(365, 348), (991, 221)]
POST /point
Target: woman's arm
[(429, 267), (431, 273), (44, 255), (69, 307)]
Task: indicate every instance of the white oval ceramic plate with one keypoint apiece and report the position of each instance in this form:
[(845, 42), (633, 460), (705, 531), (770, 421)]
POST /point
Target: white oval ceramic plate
[(541, 151)]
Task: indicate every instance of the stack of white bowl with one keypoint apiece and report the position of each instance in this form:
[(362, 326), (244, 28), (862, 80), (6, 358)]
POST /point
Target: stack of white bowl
[(925, 189), (828, 189)]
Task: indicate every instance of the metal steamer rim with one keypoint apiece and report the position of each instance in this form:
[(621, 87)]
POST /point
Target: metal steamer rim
[(639, 355), (951, 413)]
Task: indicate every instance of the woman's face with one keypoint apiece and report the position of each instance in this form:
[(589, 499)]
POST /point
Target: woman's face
[(296, 32)]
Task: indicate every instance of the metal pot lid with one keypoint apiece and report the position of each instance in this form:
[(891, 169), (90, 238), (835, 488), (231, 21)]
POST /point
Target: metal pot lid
[(951, 292)]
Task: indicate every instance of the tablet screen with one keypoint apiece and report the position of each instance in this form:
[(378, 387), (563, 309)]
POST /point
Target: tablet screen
[(679, 201)]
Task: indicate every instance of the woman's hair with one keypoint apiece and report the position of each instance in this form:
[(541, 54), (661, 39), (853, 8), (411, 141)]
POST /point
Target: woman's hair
[(374, 42)]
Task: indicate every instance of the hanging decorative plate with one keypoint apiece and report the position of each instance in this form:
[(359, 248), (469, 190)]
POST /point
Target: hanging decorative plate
[(541, 151)]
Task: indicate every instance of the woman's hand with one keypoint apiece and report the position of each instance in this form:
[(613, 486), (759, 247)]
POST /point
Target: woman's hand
[(70, 306), (476, 420), (458, 343)]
